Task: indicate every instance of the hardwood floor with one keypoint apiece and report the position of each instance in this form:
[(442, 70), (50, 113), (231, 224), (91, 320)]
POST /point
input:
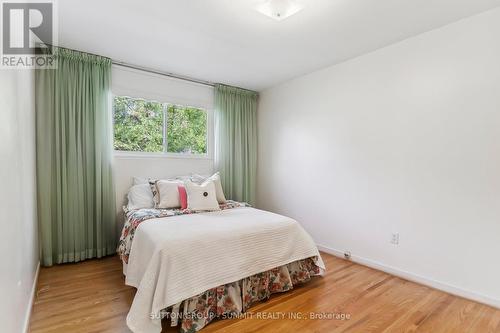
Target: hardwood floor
[(91, 297)]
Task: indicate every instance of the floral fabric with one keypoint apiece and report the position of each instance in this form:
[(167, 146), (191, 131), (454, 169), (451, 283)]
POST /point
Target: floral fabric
[(232, 299), (226, 301), (135, 217), (156, 193)]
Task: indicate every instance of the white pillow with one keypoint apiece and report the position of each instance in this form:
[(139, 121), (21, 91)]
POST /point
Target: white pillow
[(181, 178), (167, 194), (201, 197), (143, 180), (218, 187), (198, 179), (140, 181), (140, 196)]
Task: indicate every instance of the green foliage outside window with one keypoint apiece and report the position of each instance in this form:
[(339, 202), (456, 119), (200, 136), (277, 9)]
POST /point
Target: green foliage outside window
[(186, 130), (139, 126)]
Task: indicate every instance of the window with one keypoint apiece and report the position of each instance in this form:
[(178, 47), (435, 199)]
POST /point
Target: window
[(149, 126), (186, 130), (138, 125)]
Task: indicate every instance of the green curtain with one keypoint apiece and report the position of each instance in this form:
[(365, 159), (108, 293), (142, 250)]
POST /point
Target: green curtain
[(236, 141), (76, 206)]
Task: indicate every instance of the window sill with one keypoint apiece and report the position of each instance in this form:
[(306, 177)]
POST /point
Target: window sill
[(142, 155)]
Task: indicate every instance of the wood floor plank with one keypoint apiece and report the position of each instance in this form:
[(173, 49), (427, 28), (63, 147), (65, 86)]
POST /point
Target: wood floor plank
[(92, 297)]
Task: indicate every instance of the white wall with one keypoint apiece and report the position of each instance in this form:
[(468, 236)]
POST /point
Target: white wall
[(405, 139), (133, 83), (19, 245)]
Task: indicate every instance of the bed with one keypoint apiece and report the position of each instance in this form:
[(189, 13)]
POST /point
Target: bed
[(192, 268)]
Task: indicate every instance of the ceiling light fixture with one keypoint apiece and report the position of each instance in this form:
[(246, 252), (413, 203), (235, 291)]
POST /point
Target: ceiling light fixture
[(279, 9)]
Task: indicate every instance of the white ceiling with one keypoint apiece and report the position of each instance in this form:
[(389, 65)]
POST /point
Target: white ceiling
[(227, 41)]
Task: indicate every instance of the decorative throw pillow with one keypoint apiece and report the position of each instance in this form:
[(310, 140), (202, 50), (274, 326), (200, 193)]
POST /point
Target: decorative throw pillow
[(200, 179), (221, 198), (201, 197), (183, 196), (140, 196), (166, 194)]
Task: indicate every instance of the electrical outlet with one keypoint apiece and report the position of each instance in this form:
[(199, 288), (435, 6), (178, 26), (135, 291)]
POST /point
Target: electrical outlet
[(395, 238), (347, 255)]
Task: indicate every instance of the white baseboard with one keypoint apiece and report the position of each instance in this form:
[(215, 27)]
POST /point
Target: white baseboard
[(416, 278), (31, 301)]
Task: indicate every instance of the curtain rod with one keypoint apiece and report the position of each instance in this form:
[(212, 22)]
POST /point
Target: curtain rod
[(150, 70), (154, 71)]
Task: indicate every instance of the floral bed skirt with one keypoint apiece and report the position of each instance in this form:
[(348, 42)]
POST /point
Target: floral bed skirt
[(232, 299)]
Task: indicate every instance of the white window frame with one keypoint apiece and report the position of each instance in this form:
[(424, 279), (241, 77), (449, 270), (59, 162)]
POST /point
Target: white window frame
[(165, 154)]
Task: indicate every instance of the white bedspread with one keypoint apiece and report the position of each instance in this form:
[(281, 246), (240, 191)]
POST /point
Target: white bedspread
[(178, 257)]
